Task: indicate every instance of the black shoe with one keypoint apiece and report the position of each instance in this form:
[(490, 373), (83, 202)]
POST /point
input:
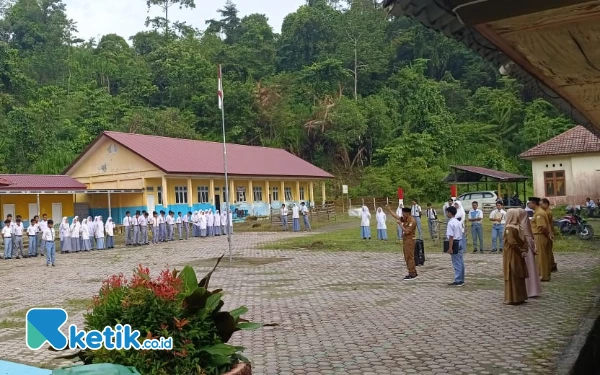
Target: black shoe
[(452, 284), (407, 277), (494, 251), (460, 284), (18, 257), (475, 251), (500, 251)]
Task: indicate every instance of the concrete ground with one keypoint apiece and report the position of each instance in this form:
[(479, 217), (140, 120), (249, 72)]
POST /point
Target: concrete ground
[(338, 312)]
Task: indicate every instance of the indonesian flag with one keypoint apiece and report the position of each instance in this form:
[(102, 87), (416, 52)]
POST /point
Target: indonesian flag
[(220, 89)]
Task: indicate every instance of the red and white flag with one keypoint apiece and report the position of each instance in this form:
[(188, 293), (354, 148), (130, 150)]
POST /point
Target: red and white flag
[(220, 92)]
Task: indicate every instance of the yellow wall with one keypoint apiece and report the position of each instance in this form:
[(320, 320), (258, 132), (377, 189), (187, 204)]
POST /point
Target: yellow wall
[(22, 202)]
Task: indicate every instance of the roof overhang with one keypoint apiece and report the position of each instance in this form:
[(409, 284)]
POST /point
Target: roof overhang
[(549, 45), (47, 192), (114, 191)]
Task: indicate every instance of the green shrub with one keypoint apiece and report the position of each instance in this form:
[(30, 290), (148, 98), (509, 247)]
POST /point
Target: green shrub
[(173, 305)]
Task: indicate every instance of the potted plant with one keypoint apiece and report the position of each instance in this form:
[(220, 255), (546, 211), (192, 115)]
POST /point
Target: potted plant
[(173, 305)]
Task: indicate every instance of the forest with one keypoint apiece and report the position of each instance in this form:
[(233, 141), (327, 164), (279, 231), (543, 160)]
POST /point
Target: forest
[(379, 102)]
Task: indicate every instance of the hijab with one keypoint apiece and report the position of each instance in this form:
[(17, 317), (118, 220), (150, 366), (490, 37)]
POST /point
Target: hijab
[(460, 211), (513, 220), (84, 222)]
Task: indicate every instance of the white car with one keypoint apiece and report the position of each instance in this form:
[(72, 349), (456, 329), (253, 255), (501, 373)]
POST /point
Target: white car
[(481, 197)]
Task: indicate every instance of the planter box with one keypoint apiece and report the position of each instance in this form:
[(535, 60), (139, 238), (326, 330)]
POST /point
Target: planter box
[(240, 369)]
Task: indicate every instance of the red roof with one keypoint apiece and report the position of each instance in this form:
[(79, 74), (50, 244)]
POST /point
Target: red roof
[(492, 173), (577, 140), (38, 182), (185, 156)]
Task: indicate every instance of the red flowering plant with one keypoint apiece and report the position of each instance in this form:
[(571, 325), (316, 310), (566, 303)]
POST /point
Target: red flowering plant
[(173, 305)]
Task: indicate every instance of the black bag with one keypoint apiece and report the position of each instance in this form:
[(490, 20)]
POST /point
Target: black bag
[(455, 246), (419, 253)]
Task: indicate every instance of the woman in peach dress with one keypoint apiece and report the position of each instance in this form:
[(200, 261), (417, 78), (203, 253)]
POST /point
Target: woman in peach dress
[(534, 286)]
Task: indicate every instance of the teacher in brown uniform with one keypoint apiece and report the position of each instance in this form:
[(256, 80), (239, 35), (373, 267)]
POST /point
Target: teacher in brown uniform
[(408, 225), (542, 232)]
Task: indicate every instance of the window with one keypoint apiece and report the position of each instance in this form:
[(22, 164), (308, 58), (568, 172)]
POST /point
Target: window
[(275, 194), (554, 183), (257, 193), (241, 193), (288, 194), (476, 196), (149, 188), (159, 194), (464, 197), (202, 194), (301, 193), (488, 195), (181, 194)]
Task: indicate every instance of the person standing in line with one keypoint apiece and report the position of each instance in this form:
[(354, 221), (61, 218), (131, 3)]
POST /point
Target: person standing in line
[(91, 230), (85, 236), (432, 220), (398, 226), (110, 233), (162, 227), (42, 228), (185, 220), (461, 216), (170, 225), (498, 219), (381, 224), (409, 225), (513, 260), (179, 223), (230, 217), (476, 220), (75, 229), (532, 283), (295, 218), (195, 224), (454, 233), (155, 228), (65, 230), (11, 226), (305, 214), (144, 228), (128, 229), (545, 204), (542, 232), (99, 233), (32, 230), (283, 215), (217, 223), (203, 224), (365, 223), (48, 238), (135, 225), (7, 236), (210, 223), (18, 230), (415, 212), (224, 222)]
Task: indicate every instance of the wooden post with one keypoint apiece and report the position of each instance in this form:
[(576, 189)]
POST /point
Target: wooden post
[(190, 195), (374, 204), (211, 192), (165, 193), (282, 193), (323, 195)]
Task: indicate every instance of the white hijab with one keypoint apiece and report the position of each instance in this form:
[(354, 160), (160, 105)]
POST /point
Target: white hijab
[(460, 213), (365, 217)]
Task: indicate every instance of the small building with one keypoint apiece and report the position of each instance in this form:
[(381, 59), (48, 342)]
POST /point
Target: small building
[(566, 168), (30, 195), (130, 172)]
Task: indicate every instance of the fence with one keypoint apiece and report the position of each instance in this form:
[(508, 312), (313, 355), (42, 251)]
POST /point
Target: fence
[(324, 212)]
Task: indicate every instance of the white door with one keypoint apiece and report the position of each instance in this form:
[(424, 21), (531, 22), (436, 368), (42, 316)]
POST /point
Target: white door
[(57, 213), (150, 203), (33, 210), (8, 209)]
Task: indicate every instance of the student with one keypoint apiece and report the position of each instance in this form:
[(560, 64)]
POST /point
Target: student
[(498, 218), (210, 222), (195, 224), (381, 224), (295, 218), (365, 223), (65, 236), (91, 231), (454, 233), (186, 224), (75, 229), (449, 203), (48, 238), (304, 211), (170, 220), (461, 216), (11, 226), (42, 227), (415, 212), (203, 224), (135, 225), (179, 223), (110, 233), (128, 229), (17, 231), (86, 245), (431, 220), (476, 220), (7, 235), (143, 220), (230, 217), (399, 227), (283, 214), (224, 222), (162, 227), (155, 228), (217, 223), (99, 227), (32, 230)]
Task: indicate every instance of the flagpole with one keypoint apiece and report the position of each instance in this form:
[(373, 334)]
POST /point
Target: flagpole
[(228, 224)]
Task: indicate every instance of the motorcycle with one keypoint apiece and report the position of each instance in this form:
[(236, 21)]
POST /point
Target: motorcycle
[(574, 224)]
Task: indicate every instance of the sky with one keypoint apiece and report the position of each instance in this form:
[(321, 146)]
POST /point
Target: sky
[(95, 18)]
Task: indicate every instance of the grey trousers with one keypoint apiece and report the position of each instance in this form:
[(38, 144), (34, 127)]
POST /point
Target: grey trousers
[(136, 235), (128, 235), (143, 234), (17, 243), (186, 230), (170, 232), (180, 230)]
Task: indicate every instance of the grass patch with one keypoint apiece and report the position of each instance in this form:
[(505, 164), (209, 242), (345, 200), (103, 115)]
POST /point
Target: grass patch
[(77, 304), (264, 225), (8, 323), (19, 314)]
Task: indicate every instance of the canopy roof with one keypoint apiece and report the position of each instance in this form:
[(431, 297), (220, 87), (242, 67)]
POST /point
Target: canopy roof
[(550, 45), (466, 174)]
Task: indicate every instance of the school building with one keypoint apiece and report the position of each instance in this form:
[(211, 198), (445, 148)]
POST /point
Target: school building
[(130, 172), (30, 195)]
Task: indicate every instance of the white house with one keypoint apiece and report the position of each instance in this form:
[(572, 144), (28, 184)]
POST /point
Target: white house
[(566, 168)]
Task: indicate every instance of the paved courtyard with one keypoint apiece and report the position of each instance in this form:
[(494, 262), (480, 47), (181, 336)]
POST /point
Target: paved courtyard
[(338, 312)]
